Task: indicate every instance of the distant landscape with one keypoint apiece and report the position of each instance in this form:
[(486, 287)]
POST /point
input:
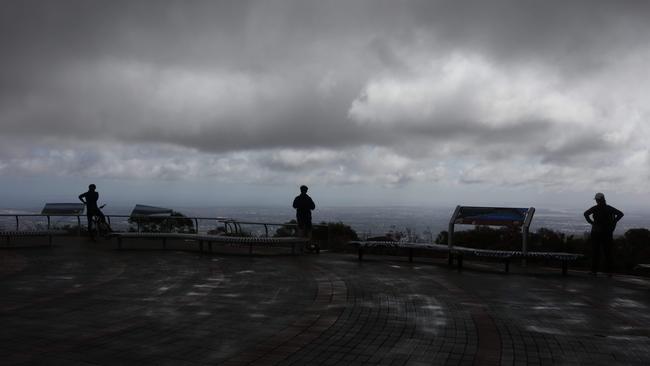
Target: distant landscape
[(369, 221)]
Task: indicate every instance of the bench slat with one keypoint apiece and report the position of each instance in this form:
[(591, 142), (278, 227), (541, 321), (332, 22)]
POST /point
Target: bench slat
[(459, 252)]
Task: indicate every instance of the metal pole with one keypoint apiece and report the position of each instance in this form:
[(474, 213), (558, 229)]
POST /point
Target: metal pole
[(329, 237), (450, 233), (524, 241), (450, 236), (196, 225), (266, 230), (524, 232), (78, 225), (17, 223), (48, 222)]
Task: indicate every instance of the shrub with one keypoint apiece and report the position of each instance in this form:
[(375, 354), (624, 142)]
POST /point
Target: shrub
[(287, 230), (176, 222), (339, 235), (332, 235), (485, 237), (442, 238), (632, 248)]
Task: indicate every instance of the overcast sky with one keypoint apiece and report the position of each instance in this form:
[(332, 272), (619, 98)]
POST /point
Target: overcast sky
[(367, 102)]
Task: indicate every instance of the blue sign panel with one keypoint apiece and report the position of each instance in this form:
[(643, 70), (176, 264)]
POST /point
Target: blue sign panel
[(494, 216)]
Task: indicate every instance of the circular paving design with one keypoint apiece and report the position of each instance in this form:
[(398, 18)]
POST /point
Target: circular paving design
[(80, 303)]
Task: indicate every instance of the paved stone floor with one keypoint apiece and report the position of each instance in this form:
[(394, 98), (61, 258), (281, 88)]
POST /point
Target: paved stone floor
[(84, 303)]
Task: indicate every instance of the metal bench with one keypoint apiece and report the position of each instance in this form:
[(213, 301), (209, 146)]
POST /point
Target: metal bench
[(460, 252), (411, 247), (507, 255), (296, 244), (564, 258), (8, 235), (489, 216), (499, 216)]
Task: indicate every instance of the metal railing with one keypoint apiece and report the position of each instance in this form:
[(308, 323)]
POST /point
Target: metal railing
[(229, 225)]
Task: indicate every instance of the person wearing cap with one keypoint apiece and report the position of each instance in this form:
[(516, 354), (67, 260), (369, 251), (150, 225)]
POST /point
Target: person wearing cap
[(304, 205), (603, 219)]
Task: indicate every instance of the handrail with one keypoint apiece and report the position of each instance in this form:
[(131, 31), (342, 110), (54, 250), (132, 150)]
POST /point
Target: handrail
[(236, 224)]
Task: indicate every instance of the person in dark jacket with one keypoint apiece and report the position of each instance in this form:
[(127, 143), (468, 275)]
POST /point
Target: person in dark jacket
[(603, 219), (90, 199), (304, 205)]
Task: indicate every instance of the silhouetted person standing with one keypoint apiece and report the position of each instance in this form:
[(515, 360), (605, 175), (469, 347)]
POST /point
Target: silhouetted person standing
[(90, 199), (603, 219), (304, 205)]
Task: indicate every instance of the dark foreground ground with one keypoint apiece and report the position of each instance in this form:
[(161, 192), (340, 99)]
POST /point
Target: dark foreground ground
[(83, 303)]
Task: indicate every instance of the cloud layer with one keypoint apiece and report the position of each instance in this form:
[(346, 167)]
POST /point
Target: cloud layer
[(549, 94)]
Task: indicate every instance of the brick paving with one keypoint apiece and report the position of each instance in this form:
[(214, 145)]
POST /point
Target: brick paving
[(84, 303)]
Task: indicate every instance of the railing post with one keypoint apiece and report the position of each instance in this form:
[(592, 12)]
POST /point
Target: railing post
[(196, 225), (524, 233), (329, 237), (450, 233), (17, 223), (48, 222), (266, 230), (78, 225), (450, 236)]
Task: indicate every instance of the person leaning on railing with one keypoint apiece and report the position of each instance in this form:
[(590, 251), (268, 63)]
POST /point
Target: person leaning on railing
[(304, 205), (90, 199)]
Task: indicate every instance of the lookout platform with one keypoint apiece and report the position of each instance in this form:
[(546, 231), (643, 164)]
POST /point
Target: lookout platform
[(85, 303)]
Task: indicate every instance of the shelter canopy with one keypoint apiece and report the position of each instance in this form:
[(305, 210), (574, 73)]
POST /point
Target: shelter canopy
[(144, 210), (63, 209)]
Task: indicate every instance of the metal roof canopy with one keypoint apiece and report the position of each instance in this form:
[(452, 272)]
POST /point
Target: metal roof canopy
[(144, 210), (63, 209)]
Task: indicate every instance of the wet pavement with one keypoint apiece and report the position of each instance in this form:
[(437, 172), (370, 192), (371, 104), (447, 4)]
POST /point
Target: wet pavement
[(84, 303)]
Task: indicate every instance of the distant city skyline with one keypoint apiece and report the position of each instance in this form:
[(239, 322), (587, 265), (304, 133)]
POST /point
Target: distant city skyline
[(370, 103)]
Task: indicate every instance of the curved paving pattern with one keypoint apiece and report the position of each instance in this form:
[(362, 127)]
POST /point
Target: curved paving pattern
[(84, 304)]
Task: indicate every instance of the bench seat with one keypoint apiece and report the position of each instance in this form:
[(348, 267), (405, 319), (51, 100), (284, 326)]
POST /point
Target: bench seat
[(361, 245), (459, 252), (296, 244), (507, 255), (8, 235)]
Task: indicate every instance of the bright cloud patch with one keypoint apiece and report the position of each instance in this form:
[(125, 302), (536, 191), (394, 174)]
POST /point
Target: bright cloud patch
[(341, 93)]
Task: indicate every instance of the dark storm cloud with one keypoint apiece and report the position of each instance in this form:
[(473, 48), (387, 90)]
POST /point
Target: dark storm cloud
[(483, 80)]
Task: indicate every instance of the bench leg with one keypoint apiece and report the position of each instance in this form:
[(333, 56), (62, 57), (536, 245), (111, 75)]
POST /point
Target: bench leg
[(507, 264), (565, 267), (360, 254), (410, 254)]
